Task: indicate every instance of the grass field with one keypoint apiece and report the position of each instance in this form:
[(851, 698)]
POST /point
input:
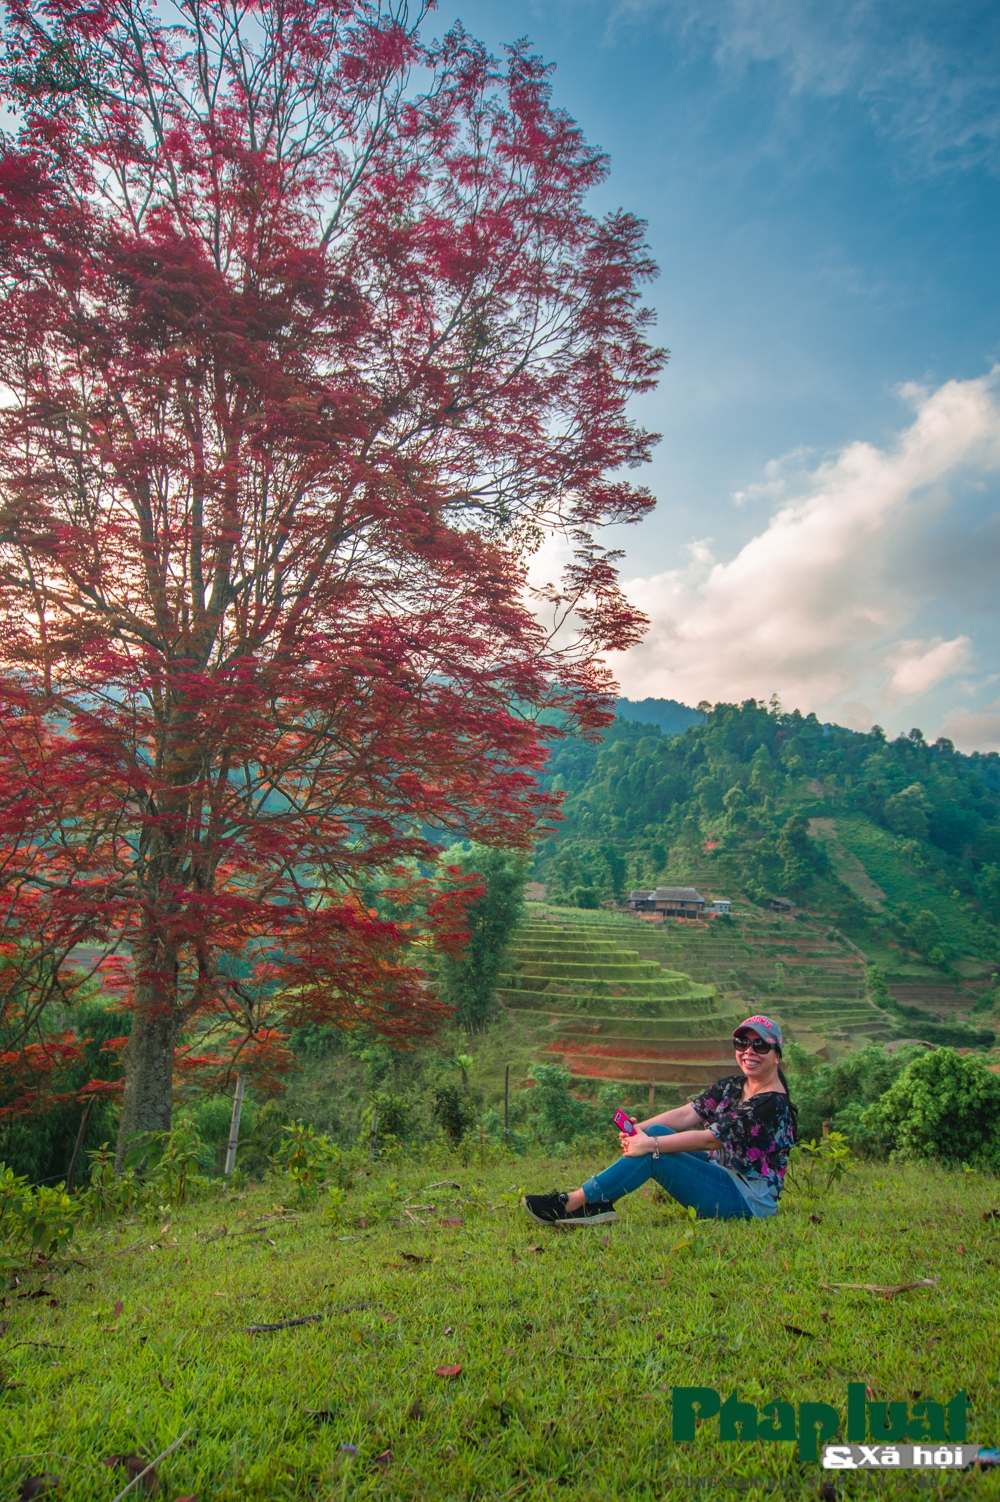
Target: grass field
[(568, 1343)]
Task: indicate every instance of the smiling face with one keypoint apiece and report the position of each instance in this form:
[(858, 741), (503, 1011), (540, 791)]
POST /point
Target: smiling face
[(762, 1068)]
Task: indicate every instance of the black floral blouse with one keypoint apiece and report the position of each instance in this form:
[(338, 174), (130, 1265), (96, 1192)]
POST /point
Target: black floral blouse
[(755, 1135)]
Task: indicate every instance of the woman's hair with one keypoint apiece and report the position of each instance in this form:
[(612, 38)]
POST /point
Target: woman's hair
[(792, 1107)]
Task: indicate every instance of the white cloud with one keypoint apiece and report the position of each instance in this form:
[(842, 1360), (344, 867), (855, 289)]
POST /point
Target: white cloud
[(817, 605), (978, 731), (918, 668)]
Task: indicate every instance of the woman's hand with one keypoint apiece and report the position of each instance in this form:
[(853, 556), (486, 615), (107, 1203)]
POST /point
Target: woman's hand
[(638, 1144)]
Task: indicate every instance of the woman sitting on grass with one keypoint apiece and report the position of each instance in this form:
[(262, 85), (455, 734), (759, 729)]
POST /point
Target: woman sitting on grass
[(724, 1153)]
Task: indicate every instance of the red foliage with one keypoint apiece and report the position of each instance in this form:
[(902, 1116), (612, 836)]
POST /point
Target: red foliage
[(302, 357), (33, 1076)]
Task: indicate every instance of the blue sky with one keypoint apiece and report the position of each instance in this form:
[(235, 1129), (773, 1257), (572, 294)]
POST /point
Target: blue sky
[(822, 187)]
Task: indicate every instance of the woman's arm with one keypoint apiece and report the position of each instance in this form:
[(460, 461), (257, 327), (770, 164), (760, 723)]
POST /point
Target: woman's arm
[(680, 1118), (678, 1142)]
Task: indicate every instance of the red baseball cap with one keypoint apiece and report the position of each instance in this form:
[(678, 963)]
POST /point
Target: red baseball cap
[(764, 1027)]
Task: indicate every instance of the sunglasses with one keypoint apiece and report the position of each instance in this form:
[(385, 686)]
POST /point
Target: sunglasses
[(759, 1045)]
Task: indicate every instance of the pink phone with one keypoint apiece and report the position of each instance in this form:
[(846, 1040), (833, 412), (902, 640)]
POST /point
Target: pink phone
[(624, 1123)]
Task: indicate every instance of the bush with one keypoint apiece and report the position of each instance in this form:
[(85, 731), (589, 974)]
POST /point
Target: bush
[(840, 1093), (39, 1220), (558, 1117), (311, 1161), (586, 897), (943, 1105), (168, 1162), (452, 1112), (926, 933)]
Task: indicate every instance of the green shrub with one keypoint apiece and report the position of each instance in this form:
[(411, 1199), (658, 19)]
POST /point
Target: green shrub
[(452, 1112), (821, 1163), (840, 1093), (585, 897), (32, 1220), (943, 1105), (926, 933), (311, 1161), (558, 1117), (109, 1195), (168, 1162)]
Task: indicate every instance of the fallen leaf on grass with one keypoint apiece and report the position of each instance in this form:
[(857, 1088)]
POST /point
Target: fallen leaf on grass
[(119, 1306), (383, 1459), (534, 1249), (449, 1329), (991, 1214), (414, 1257), (35, 1486), (886, 1290), (415, 1410), (447, 1371), (451, 1220), (796, 1331), (135, 1463), (816, 1219), (960, 1249), (163, 1382), (321, 1415)]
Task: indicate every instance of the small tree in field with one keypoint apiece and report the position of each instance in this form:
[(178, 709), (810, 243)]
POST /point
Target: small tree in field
[(306, 339), (469, 979)]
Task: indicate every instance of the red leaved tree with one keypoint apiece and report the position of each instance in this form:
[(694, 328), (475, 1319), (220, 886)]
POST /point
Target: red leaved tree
[(307, 339)]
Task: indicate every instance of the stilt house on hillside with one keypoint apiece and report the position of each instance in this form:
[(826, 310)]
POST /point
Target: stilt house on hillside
[(674, 902)]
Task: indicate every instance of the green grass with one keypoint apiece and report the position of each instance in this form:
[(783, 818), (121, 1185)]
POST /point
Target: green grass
[(881, 853), (569, 1343)]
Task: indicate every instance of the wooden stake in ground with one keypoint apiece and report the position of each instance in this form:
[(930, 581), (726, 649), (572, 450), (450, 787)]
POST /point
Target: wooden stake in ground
[(371, 1149), (234, 1129), (84, 1123)]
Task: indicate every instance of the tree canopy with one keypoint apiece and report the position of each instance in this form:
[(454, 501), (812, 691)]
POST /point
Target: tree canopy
[(308, 337)]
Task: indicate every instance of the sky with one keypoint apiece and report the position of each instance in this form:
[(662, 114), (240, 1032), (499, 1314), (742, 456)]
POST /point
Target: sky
[(822, 189)]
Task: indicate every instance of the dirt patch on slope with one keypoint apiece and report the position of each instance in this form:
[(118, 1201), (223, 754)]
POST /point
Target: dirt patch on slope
[(846, 864)]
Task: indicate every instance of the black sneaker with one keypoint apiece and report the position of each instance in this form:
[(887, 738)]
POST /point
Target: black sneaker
[(601, 1213), (550, 1210)]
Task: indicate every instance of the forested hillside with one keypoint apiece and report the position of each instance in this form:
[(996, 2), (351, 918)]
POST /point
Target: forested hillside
[(897, 841)]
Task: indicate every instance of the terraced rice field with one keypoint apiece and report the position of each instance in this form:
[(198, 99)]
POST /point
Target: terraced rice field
[(614, 997)]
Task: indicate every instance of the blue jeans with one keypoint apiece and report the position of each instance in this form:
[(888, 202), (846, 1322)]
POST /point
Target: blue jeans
[(692, 1179)]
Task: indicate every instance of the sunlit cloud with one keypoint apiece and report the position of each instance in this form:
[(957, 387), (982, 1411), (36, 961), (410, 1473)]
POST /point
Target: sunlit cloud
[(817, 605)]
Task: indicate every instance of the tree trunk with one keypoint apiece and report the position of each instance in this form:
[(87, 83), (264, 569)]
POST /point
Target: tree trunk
[(149, 1071)]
